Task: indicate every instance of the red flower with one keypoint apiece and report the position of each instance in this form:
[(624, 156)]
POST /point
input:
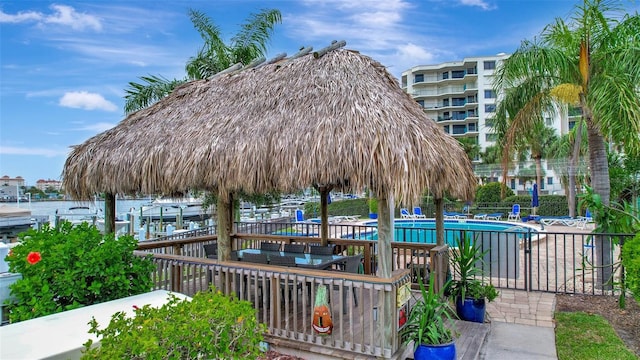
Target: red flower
[(135, 307), (34, 257)]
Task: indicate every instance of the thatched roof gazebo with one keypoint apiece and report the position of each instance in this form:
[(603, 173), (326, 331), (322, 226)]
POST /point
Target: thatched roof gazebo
[(334, 119)]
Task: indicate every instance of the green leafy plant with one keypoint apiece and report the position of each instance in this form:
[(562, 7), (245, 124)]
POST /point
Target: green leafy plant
[(69, 267), (631, 261), (618, 219), (209, 326), (466, 261), (428, 317), (373, 206)]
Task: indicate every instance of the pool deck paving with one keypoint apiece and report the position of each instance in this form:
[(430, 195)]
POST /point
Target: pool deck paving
[(521, 326)]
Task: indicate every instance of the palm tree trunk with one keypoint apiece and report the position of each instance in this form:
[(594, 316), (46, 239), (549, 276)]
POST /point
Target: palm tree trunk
[(601, 186), (573, 165), (538, 160)]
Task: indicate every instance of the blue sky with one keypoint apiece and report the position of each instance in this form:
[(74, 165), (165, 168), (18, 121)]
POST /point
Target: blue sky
[(65, 64)]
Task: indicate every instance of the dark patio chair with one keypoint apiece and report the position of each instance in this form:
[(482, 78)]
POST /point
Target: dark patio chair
[(269, 246), (353, 265), (294, 248), (258, 259), (321, 250), (211, 250)]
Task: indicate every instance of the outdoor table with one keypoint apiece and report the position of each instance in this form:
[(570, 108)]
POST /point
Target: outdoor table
[(304, 260)]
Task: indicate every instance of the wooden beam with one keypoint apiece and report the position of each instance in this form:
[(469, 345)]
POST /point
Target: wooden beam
[(334, 45), (109, 213), (439, 221), (225, 224), (385, 236)]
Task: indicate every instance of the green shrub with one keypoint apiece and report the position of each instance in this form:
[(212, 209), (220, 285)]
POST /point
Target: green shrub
[(69, 267), (490, 193), (347, 207), (210, 326), (631, 262)]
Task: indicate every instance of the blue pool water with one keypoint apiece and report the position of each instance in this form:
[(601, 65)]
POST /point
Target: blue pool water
[(423, 231)]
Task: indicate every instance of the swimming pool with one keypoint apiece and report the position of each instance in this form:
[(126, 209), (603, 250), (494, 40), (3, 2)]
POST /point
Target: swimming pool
[(423, 230)]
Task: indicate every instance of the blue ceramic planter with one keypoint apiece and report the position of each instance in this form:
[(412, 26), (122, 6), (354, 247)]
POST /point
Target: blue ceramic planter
[(441, 352), (373, 215), (471, 309)]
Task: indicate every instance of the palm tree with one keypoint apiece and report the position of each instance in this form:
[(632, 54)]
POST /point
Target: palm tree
[(572, 175), (539, 140), (246, 46), (595, 61), (470, 146)]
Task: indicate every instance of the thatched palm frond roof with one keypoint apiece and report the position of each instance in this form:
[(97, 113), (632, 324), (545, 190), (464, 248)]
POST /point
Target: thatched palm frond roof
[(338, 119)]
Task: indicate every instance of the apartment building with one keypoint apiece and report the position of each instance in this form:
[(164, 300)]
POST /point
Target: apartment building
[(461, 98)]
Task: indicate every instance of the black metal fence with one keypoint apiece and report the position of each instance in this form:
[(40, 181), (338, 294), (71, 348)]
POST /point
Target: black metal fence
[(524, 257)]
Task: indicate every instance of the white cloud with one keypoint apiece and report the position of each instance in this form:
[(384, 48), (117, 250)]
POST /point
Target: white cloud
[(87, 101), (97, 127), (61, 15), (12, 150), (479, 3), (20, 17)]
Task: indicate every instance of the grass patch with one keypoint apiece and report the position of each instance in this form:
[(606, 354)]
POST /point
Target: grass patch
[(586, 336)]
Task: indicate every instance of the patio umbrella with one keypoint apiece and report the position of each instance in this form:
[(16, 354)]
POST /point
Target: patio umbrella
[(534, 199)]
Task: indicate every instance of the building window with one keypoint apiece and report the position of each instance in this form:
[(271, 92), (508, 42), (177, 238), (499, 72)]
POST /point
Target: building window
[(458, 101), (575, 111), (490, 65), (445, 102), (472, 70), (418, 78), (572, 124), (513, 184), (459, 129), (489, 122), (550, 180), (472, 99), (489, 108), (459, 115), (446, 129), (421, 103), (472, 127), (457, 74), (520, 181), (489, 94), (490, 137), (445, 75), (548, 121)]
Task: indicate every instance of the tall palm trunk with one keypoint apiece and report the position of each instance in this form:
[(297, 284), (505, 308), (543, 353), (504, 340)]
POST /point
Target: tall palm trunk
[(538, 160), (601, 186)]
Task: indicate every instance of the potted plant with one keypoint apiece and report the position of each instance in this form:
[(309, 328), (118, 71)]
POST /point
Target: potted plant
[(467, 289), (427, 327)]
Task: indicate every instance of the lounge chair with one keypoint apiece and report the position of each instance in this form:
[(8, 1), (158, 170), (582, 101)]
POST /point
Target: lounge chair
[(494, 216), (404, 213), (417, 213), (559, 220), (454, 215), (514, 215), (584, 220), (480, 216), (299, 215)]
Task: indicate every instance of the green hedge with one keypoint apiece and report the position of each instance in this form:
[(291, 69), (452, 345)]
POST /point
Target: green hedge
[(350, 207)]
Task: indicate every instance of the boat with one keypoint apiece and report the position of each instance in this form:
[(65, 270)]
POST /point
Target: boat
[(14, 220), (77, 215), (171, 210)]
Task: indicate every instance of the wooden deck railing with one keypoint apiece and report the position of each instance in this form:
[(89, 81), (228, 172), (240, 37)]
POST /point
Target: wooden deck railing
[(413, 256), (283, 298)]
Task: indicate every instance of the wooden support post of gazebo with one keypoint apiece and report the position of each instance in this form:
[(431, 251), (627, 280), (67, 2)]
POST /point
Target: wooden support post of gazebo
[(109, 213)]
